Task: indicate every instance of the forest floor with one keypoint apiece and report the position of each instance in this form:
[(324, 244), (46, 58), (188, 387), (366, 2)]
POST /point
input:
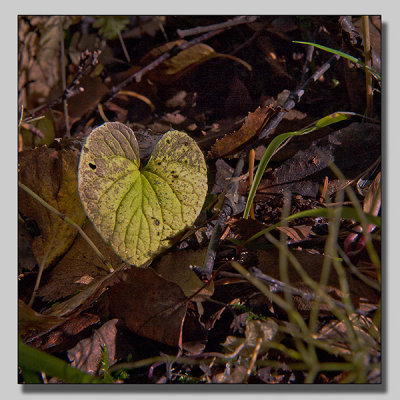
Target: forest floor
[(282, 289)]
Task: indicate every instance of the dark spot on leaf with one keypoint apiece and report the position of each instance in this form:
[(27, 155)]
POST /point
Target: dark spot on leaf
[(157, 222), (168, 141), (93, 166), (158, 233), (159, 163), (175, 176)]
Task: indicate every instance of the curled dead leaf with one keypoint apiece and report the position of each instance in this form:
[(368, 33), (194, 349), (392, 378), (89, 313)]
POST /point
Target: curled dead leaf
[(187, 59), (252, 125), (87, 354)]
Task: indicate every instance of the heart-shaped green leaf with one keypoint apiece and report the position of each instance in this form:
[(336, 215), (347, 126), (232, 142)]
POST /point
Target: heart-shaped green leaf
[(140, 211)]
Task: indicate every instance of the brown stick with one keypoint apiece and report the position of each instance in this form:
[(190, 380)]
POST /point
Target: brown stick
[(223, 25), (226, 211)]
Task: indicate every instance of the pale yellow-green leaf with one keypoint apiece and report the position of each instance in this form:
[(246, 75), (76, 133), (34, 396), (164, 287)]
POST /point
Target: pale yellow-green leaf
[(140, 211)]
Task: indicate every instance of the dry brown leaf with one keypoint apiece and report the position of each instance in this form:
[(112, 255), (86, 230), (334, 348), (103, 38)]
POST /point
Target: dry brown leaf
[(257, 334), (175, 268), (244, 229), (45, 126), (78, 268), (336, 334), (26, 259), (39, 58), (253, 124), (52, 175), (87, 354), (64, 336), (296, 233), (172, 69), (150, 306), (32, 323), (158, 51), (84, 299), (94, 90)]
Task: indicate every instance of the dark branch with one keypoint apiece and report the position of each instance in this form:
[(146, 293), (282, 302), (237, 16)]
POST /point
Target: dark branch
[(223, 25), (87, 62), (225, 212)]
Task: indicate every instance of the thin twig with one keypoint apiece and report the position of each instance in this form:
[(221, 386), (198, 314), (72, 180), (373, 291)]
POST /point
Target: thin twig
[(225, 212), (87, 62), (223, 25), (121, 40), (33, 129), (294, 98), (69, 221), (277, 286), (307, 63), (247, 42)]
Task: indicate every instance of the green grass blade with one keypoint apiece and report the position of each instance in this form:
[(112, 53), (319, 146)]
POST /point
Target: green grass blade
[(30, 376), (333, 119), (276, 142), (32, 360), (269, 152), (344, 55)]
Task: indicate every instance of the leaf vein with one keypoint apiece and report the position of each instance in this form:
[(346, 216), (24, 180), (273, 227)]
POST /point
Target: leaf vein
[(173, 191)]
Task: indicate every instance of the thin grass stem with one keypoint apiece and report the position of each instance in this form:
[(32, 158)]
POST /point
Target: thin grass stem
[(69, 221)]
